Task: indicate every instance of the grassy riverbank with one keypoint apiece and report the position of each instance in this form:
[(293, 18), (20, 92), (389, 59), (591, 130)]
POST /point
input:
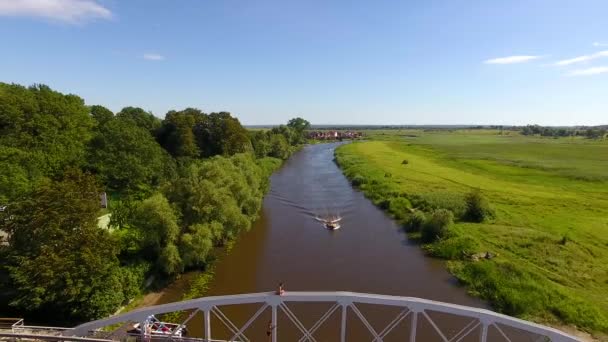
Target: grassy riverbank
[(550, 199)]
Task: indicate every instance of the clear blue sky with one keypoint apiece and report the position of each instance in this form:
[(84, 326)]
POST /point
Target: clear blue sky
[(330, 61)]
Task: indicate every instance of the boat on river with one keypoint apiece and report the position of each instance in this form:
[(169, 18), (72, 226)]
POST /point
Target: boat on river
[(331, 223)]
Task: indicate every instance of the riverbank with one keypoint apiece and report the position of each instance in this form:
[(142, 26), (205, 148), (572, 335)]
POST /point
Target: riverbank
[(548, 234)]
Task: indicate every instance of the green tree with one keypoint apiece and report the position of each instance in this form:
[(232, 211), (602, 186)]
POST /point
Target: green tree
[(299, 126), (477, 207), (158, 228), (42, 132), (198, 242), (127, 158), (221, 134), (178, 133), (279, 146), (141, 118), (58, 259), (101, 114), (261, 143), (437, 225)]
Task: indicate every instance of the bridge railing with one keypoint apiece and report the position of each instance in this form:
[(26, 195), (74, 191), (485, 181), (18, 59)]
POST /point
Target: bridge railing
[(414, 311)]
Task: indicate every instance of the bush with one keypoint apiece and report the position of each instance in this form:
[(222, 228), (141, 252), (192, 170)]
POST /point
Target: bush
[(477, 208), (400, 207), (358, 180), (437, 225), (415, 221), (405, 162)]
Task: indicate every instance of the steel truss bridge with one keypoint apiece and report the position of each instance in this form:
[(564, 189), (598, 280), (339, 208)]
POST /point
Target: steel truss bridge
[(352, 316)]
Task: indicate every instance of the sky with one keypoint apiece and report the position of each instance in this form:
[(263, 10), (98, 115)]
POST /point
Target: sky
[(329, 61)]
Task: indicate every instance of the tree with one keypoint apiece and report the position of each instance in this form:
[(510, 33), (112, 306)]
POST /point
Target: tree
[(197, 243), (42, 132), (477, 207), (101, 114), (127, 158), (437, 225), (158, 228), (178, 133), (279, 147), (299, 126), (260, 143), (141, 118), (221, 134), (58, 259)]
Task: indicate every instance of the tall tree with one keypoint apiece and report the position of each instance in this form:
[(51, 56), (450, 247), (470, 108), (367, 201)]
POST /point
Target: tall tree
[(179, 130), (127, 158), (141, 118), (58, 259), (101, 114), (41, 132)]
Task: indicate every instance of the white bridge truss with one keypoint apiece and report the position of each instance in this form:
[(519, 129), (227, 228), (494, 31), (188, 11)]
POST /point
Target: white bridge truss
[(479, 323)]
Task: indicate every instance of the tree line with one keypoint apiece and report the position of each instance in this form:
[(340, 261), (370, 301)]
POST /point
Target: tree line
[(591, 132), (178, 187)]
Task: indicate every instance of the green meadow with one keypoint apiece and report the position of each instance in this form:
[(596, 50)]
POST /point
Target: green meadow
[(549, 231)]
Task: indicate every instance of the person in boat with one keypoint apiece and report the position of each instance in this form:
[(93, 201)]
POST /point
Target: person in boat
[(280, 290)]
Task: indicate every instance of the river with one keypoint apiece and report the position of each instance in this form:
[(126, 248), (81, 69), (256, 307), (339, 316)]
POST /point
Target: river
[(369, 253)]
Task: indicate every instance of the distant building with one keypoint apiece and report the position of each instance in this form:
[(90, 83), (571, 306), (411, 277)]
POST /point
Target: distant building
[(334, 135)]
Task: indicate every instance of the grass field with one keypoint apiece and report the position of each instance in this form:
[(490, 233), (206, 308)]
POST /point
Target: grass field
[(550, 198)]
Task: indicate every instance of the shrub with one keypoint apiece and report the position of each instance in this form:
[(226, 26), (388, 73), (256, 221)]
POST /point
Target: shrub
[(437, 225), (454, 247), (400, 207), (415, 221), (477, 207), (405, 162), (358, 180)]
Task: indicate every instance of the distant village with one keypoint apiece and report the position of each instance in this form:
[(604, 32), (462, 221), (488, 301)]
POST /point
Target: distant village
[(334, 135)]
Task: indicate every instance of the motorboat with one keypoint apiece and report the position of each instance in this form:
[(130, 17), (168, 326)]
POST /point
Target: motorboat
[(330, 223)]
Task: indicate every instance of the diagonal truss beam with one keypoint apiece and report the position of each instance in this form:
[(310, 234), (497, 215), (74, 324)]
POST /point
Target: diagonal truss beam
[(464, 332), (395, 322), (248, 323), (294, 319), (445, 339), (365, 322), (321, 320), (228, 323)]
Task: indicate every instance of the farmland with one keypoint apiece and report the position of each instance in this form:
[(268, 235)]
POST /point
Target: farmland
[(549, 229)]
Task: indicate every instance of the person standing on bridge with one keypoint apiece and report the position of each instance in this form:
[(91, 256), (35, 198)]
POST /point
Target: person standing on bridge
[(280, 290)]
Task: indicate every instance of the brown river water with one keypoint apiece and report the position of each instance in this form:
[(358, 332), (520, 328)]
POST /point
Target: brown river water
[(369, 253)]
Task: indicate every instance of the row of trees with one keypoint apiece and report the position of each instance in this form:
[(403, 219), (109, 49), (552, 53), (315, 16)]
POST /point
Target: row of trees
[(591, 133), (178, 187)]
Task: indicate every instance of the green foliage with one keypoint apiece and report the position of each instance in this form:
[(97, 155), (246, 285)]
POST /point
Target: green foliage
[(357, 180), (57, 257), (158, 230), (415, 221), (181, 132), (477, 207), (59, 260), (42, 132), (299, 127), (223, 190), (127, 158), (101, 114), (197, 243), (140, 118), (437, 225), (549, 207), (279, 146)]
